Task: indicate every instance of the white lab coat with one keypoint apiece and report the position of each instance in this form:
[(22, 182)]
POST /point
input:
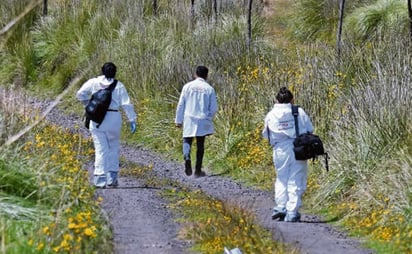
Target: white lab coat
[(106, 138), (196, 108), (291, 176)]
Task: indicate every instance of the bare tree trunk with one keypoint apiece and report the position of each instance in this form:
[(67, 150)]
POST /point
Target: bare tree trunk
[(192, 13), (209, 9), (192, 8), (249, 24), (155, 7), (215, 9), (410, 16), (44, 7), (339, 34)]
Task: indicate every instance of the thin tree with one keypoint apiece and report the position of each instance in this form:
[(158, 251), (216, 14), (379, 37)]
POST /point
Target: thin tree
[(215, 9), (410, 16), (44, 7), (192, 9), (249, 24), (155, 7), (339, 34), (192, 13)]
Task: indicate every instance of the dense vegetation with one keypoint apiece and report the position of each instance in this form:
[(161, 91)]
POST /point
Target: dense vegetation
[(359, 101)]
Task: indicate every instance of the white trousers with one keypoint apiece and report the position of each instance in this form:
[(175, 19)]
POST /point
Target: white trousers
[(291, 178), (106, 141)]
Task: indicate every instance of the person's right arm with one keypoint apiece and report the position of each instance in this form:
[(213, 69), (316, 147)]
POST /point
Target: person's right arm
[(85, 91), (180, 109)]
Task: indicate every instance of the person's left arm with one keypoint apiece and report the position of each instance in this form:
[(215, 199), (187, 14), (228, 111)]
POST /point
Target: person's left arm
[(213, 104), (128, 108)]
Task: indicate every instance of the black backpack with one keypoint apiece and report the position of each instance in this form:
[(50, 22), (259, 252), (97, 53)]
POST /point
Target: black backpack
[(307, 145), (98, 105)]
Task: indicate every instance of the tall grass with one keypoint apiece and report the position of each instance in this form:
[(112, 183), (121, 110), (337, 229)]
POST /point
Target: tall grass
[(363, 102), (314, 20), (359, 103), (382, 17), (317, 20), (46, 203)]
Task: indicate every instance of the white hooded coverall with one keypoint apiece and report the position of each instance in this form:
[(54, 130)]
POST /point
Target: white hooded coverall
[(106, 138), (291, 174)]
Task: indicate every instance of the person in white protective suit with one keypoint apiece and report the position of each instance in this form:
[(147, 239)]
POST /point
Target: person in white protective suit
[(291, 177), (195, 111), (106, 136)]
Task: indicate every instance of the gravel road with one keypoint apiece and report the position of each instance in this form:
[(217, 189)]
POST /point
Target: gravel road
[(143, 224)]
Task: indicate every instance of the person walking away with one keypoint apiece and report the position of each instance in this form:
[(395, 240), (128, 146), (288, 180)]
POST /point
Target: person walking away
[(106, 136), (195, 111), (291, 177)]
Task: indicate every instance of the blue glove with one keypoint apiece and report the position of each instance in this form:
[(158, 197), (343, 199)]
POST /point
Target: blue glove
[(133, 127)]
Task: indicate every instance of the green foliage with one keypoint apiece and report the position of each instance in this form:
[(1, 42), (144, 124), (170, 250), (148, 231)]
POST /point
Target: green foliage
[(375, 20), (9, 11), (46, 203), (369, 140), (314, 20), (359, 102), (317, 20), (15, 181)]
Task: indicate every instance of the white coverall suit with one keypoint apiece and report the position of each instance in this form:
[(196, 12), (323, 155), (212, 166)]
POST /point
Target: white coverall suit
[(291, 174), (106, 138)]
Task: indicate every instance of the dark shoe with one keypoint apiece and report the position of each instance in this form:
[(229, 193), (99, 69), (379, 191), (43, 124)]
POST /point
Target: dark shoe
[(200, 174), (188, 167), (292, 217), (112, 179), (113, 184), (278, 214)]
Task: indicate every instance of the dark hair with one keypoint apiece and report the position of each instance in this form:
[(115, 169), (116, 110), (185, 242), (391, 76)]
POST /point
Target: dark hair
[(109, 70), (284, 95), (202, 71)]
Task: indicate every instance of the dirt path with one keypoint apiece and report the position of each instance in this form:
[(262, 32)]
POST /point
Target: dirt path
[(143, 224), (141, 220)]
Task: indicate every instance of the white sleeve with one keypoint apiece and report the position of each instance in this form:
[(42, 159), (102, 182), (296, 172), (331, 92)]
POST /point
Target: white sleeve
[(213, 104), (126, 105), (180, 109), (265, 133), (85, 91)]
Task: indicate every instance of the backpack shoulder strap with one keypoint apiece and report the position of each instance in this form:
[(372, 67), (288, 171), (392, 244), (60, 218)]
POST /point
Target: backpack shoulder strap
[(112, 85), (295, 113)]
